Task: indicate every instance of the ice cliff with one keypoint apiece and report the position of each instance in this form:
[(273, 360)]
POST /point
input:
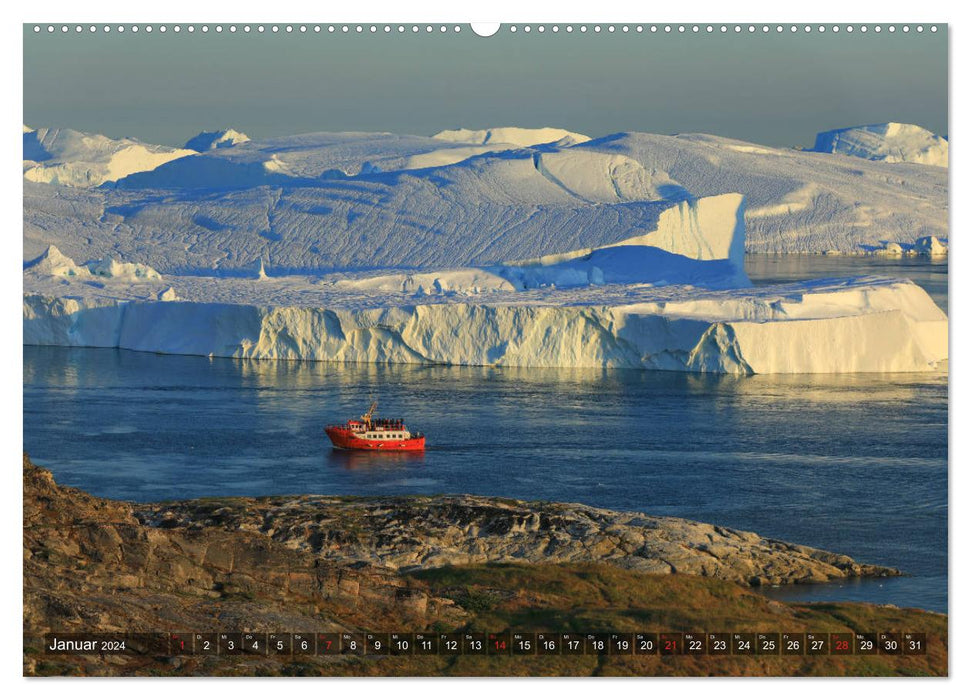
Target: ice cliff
[(869, 325)]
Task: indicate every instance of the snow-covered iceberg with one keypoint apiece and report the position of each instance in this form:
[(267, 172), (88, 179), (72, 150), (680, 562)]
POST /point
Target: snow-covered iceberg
[(700, 242), (483, 211), (797, 201), (599, 307), (928, 245), (307, 159), (209, 140), (78, 159), (868, 325), (118, 269), (623, 251), (512, 135), (891, 142), (335, 201), (53, 263)]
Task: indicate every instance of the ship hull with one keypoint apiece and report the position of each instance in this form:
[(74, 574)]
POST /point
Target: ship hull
[(344, 439)]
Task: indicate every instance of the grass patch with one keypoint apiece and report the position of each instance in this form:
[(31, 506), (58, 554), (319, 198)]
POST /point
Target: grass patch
[(477, 600)]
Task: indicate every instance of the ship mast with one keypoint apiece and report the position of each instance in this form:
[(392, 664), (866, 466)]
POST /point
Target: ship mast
[(370, 412)]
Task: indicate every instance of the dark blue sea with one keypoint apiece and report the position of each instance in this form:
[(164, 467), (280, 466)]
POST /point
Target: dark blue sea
[(852, 463)]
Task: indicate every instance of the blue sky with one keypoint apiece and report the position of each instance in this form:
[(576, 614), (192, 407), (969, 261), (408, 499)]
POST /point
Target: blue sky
[(776, 89)]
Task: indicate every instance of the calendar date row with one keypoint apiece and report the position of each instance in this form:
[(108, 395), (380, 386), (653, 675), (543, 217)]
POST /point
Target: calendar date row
[(493, 644)]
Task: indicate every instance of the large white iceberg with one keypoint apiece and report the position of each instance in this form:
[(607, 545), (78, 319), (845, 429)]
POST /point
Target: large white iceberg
[(868, 325), (320, 202), (891, 142), (625, 251), (600, 307), (307, 159), (78, 159), (797, 201)]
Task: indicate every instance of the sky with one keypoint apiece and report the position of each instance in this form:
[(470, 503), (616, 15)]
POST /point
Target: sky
[(774, 89)]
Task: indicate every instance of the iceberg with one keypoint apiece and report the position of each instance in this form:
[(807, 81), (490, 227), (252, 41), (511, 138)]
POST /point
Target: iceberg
[(891, 143), (53, 263), (798, 202), (324, 202), (620, 252), (167, 294), (78, 159), (930, 245), (514, 136), (306, 159), (209, 140), (116, 269), (863, 325)]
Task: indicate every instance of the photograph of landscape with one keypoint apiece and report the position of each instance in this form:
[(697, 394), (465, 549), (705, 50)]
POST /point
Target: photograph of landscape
[(399, 350)]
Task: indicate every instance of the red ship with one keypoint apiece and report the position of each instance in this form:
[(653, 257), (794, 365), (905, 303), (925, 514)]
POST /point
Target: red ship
[(372, 433)]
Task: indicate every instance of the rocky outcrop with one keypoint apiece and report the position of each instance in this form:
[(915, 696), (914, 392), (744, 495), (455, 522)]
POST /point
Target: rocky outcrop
[(418, 532), (90, 564), (311, 564)]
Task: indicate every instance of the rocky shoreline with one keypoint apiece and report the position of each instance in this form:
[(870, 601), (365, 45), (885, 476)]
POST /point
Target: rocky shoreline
[(437, 564), (422, 532)]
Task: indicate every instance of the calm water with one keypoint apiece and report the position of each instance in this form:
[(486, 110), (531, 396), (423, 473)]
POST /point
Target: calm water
[(852, 463)]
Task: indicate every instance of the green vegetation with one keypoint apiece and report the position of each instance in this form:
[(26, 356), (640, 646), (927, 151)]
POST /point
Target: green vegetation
[(596, 598)]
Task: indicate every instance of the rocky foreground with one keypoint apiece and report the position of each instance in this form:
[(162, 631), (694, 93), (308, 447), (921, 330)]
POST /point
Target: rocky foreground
[(423, 532), (420, 564)]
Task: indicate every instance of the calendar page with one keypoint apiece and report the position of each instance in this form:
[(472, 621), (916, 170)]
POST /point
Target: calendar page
[(520, 349)]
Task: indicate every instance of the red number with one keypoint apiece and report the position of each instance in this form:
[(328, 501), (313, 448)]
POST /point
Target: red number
[(842, 645)]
